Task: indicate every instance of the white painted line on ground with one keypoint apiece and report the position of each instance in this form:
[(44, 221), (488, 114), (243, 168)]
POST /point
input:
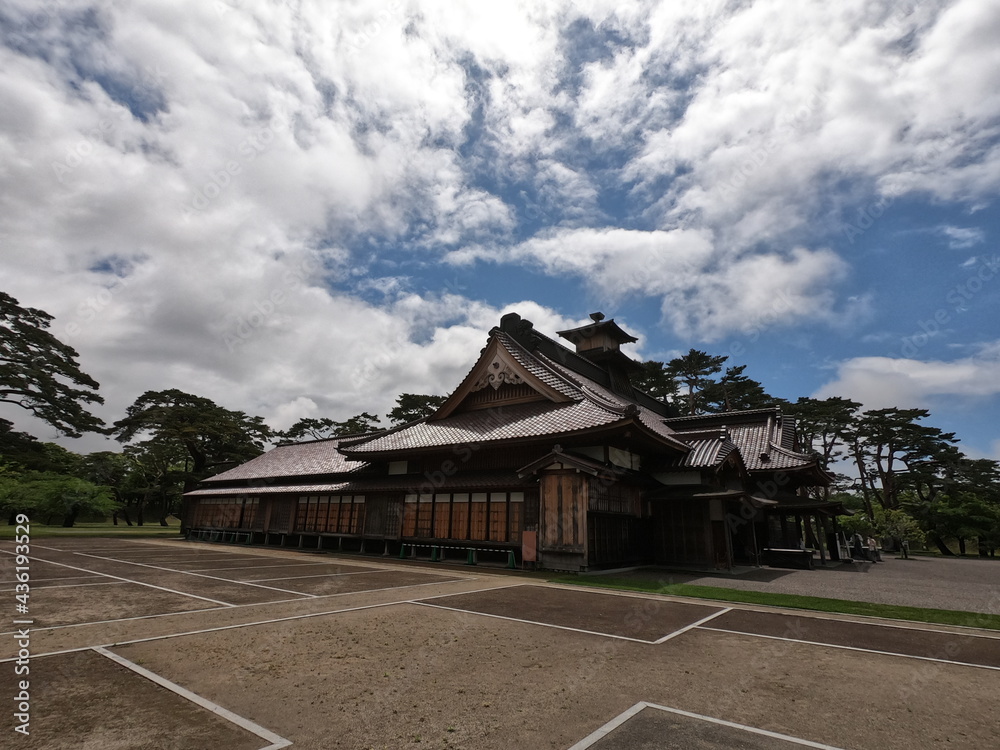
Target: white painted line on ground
[(605, 730), (191, 573), (243, 606), (328, 575), (207, 630), (686, 628), (855, 648), (265, 734), (601, 732), (173, 557), (475, 591), (129, 580), (140, 617), (261, 567), (34, 585), (42, 580), (533, 622), (882, 622)]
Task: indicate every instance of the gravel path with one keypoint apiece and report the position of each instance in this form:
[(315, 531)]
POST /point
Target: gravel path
[(969, 585)]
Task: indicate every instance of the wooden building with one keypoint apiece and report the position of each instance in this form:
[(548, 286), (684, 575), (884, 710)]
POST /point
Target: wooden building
[(542, 453)]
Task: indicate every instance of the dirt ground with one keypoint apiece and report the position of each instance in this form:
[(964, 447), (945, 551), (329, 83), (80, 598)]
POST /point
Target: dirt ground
[(377, 661)]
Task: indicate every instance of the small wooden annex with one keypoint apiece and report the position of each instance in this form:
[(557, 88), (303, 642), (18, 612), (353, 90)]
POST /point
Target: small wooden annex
[(543, 451)]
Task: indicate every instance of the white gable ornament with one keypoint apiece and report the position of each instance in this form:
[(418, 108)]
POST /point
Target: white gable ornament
[(497, 373)]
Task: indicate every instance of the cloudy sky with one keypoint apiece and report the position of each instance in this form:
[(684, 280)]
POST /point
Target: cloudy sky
[(305, 208)]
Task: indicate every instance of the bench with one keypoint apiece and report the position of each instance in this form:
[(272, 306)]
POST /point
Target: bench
[(789, 558)]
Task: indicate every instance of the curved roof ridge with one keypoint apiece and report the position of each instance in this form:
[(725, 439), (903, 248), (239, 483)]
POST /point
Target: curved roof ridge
[(594, 391), (534, 362), (777, 447)]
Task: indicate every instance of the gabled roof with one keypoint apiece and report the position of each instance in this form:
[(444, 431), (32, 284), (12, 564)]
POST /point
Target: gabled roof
[(706, 452), (317, 457), (564, 460), (764, 438), (504, 361), (573, 402)]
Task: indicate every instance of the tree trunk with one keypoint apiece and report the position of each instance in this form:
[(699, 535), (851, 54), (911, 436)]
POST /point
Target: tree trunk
[(961, 546), (942, 547), (12, 518), (114, 518), (124, 512), (164, 508), (70, 518)]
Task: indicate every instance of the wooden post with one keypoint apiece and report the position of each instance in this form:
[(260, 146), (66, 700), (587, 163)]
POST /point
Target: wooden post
[(819, 539)]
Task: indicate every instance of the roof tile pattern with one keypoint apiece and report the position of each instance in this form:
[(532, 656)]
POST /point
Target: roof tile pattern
[(538, 367), (298, 459), (535, 419), (611, 400), (757, 433), (755, 442), (706, 452), (268, 489)]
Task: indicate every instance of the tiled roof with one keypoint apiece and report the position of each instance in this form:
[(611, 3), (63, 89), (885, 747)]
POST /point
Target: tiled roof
[(595, 406), (275, 489), (611, 400), (757, 433), (706, 452), (538, 367), (534, 419), (298, 459), (696, 421), (755, 442)]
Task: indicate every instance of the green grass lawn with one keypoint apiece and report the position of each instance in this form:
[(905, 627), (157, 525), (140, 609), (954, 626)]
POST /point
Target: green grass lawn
[(794, 601), (102, 528)]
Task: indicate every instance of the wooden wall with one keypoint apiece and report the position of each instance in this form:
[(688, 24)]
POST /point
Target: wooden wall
[(683, 532), (563, 503)]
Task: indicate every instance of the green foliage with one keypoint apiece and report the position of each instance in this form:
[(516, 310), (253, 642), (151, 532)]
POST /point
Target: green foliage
[(325, 428), (413, 406), (177, 423), (40, 373), (694, 370), (822, 425), (892, 524), (893, 451), (46, 496), (735, 391), (654, 380)]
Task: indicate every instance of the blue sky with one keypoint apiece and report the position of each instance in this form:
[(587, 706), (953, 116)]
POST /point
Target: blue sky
[(306, 209)]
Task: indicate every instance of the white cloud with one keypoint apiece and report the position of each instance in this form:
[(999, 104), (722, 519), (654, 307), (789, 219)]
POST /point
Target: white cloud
[(880, 382), (214, 155), (705, 292), (960, 238)]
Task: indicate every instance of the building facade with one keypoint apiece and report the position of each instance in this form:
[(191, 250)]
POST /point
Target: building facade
[(543, 454)]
